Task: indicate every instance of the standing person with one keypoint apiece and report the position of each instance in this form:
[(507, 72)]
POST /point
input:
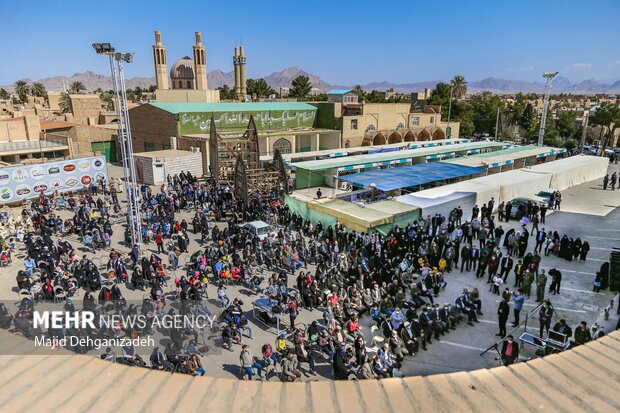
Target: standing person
[(541, 236), (544, 316), (510, 351), (585, 248), (596, 282), (543, 213), (556, 280), (113, 192), (173, 259), (582, 333), (528, 280), (614, 179), (605, 182), (517, 305), (541, 283), (508, 211), (159, 241), (506, 266), (503, 311)]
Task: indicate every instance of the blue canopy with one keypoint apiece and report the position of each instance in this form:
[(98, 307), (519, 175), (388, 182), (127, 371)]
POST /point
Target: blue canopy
[(412, 175)]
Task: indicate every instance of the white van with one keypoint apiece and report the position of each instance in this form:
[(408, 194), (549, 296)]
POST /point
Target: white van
[(259, 228)]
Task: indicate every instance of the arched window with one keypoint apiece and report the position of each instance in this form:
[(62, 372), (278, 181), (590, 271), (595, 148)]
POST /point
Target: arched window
[(283, 145), (400, 126), (369, 128), (189, 84)]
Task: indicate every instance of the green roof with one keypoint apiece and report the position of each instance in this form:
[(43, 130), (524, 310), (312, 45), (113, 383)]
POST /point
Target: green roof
[(184, 107), (514, 149), (324, 164)]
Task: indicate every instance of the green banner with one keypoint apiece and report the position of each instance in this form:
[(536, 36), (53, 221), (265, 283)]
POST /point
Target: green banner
[(195, 123)]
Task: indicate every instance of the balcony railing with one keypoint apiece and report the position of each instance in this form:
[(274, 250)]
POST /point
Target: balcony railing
[(38, 145)]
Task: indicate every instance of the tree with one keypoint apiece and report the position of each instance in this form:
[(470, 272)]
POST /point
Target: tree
[(527, 117), (152, 88), (4, 95), (440, 96), (375, 96), (259, 88), (226, 93), (65, 103), (459, 86), (106, 99), (22, 89), (607, 116), (76, 87), (37, 89), (357, 89), (301, 87), (566, 124)]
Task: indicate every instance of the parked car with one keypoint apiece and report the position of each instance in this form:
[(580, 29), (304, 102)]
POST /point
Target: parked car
[(517, 202), (259, 228), (544, 196)]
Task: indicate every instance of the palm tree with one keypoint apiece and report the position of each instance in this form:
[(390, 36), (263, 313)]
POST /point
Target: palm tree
[(459, 86), (357, 89), (37, 89), (65, 103), (106, 98), (76, 87), (22, 89)]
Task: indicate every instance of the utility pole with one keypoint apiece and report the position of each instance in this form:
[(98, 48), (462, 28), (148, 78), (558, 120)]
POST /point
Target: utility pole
[(543, 119), (496, 124), (586, 117)]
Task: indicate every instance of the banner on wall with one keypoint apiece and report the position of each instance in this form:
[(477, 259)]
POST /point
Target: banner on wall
[(28, 181)]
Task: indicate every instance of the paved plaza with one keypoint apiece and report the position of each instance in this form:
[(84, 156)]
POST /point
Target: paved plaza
[(587, 212)]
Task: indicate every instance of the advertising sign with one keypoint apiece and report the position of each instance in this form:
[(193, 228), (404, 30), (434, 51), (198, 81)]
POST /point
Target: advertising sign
[(29, 181)]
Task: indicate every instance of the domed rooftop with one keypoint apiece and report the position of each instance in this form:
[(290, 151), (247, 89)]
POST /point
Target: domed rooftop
[(182, 69)]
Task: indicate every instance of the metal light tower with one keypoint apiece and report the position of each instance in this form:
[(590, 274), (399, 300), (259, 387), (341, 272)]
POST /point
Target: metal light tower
[(128, 58), (543, 120), (123, 130)]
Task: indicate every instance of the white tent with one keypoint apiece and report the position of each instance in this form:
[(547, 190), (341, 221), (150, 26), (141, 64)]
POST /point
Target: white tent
[(516, 184), (572, 171), (471, 193), (441, 205)]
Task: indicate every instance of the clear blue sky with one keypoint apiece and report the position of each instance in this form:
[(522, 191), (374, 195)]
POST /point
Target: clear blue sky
[(343, 41)]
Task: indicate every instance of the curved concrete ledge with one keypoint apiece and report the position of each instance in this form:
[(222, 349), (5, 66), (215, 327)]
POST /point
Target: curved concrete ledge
[(584, 379)]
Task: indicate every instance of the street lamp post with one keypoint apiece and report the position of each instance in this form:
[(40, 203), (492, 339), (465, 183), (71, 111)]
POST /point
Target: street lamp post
[(448, 131), (107, 49), (543, 119)]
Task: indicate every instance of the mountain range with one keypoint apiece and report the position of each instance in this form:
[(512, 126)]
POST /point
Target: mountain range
[(218, 78)]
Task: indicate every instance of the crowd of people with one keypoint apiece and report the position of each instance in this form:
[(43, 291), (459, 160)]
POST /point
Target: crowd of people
[(395, 281)]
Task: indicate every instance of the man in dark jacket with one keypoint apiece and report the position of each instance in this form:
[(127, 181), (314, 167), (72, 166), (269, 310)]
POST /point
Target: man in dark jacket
[(510, 350), (503, 311)]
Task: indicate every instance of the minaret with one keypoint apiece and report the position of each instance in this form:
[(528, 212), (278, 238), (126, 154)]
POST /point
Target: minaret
[(161, 64), (237, 74), (244, 89), (200, 64)]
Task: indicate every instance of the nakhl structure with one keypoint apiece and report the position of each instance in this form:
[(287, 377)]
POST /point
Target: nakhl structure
[(234, 161)]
